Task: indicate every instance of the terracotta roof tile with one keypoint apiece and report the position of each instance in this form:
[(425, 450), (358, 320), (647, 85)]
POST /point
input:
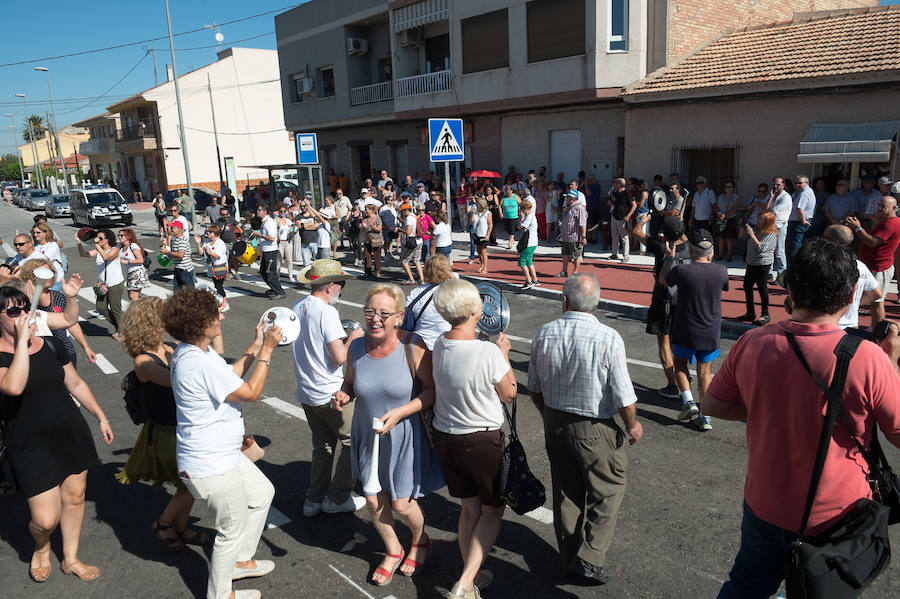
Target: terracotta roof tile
[(836, 44)]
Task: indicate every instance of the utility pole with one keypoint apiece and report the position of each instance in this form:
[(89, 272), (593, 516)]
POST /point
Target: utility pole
[(36, 168), (62, 158), (212, 110), (18, 153), (184, 150)]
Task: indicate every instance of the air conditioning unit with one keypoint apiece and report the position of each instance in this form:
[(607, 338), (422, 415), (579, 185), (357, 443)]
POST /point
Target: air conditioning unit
[(305, 85), (357, 46), (411, 37)]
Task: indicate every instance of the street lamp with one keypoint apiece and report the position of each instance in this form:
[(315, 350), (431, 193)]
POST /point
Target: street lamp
[(18, 154), (34, 152), (62, 159)]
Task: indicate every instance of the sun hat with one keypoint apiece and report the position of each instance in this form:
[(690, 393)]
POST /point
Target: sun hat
[(322, 272)]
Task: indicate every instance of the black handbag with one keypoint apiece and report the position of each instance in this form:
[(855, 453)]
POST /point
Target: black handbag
[(411, 243), (519, 488), (523, 242), (843, 560)]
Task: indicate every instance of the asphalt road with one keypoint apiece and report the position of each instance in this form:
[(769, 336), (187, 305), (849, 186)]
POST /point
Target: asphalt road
[(677, 533)]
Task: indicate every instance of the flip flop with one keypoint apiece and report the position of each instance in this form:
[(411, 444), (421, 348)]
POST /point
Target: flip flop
[(389, 574), (417, 565)]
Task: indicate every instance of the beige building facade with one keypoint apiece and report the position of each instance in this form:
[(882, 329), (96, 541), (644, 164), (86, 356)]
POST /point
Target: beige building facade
[(69, 138)]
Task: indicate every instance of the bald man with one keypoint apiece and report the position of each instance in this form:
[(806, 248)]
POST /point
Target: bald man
[(866, 291)]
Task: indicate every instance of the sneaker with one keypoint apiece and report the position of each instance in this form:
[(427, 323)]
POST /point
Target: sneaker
[(536, 284), (527, 285), (561, 275), (613, 257), (748, 317), (311, 508), (670, 392), (223, 306), (626, 258), (236, 276), (247, 594), (353, 503), (263, 567), (702, 423), (688, 411)]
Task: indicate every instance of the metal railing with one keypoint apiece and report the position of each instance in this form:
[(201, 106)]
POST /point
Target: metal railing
[(368, 94), (439, 81), (136, 132)]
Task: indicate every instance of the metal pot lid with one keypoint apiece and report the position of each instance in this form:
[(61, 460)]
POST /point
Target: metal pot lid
[(495, 310), (284, 318)]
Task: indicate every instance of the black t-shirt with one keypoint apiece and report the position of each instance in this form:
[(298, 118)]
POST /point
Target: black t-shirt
[(698, 311), (228, 226), (657, 248), (308, 235), (621, 203)]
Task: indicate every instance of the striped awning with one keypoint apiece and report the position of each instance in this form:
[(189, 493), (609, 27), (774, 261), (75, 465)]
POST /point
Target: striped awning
[(419, 14), (848, 142)]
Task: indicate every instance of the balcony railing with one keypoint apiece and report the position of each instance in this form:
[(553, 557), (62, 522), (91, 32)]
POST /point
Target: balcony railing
[(368, 94), (136, 132), (439, 81), (100, 145)]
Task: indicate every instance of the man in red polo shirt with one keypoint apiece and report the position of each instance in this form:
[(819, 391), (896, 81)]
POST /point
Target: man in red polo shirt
[(784, 415), (877, 247)]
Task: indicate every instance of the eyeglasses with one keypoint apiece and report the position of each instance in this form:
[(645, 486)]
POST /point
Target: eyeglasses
[(98, 238), (16, 311), (19, 244), (729, 187), (383, 315)]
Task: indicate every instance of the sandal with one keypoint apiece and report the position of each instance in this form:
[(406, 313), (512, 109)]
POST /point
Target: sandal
[(42, 573), (388, 574), (170, 543), (190, 536), (417, 565), (87, 574)]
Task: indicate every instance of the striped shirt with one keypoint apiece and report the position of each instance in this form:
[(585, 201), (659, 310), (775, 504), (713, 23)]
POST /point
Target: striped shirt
[(578, 365), (764, 252), (572, 221), (181, 244)]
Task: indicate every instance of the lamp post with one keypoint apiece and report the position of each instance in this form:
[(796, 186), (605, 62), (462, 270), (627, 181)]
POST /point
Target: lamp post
[(18, 153), (37, 165), (62, 159), (184, 149)]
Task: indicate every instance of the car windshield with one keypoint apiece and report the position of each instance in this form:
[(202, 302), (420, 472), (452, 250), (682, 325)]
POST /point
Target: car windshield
[(39, 193), (105, 197), (58, 199)]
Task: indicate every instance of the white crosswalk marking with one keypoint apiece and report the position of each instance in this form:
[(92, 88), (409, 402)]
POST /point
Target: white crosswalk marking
[(287, 408), (105, 365), (276, 518)]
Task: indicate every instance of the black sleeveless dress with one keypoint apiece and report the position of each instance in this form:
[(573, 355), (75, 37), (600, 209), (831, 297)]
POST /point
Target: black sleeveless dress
[(46, 434)]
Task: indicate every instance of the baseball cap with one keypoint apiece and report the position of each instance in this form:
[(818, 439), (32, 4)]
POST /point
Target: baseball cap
[(404, 194), (895, 189), (177, 224), (884, 180), (405, 207), (364, 190), (572, 194), (700, 238), (672, 227)]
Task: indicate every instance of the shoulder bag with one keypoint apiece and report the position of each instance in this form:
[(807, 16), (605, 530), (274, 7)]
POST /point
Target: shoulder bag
[(523, 242), (410, 320), (519, 488), (100, 287), (843, 560), (425, 414)]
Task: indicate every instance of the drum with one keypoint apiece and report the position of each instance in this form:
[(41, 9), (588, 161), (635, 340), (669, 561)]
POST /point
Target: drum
[(495, 310), (284, 318), (164, 260), (245, 253), (86, 234), (238, 248), (658, 201)]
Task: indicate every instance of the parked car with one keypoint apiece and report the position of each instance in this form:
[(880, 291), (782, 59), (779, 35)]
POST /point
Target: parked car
[(96, 205), (57, 205), (202, 197), (36, 199), (17, 194), (283, 186)]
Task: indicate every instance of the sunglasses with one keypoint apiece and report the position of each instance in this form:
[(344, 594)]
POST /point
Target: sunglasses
[(16, 311), (19, 244)]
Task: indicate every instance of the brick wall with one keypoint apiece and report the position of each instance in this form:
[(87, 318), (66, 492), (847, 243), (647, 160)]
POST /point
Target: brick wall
[(692, 23)]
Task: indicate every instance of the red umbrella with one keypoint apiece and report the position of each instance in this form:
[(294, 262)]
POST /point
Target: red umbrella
[(485, 174)]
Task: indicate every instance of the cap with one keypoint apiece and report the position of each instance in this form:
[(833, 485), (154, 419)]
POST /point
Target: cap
[(572, 194), (364, 190), (868, 177), (405, 207), (404, 194), (700, 238), (177, 224), (884, 180), (672, 227), (895, 189)]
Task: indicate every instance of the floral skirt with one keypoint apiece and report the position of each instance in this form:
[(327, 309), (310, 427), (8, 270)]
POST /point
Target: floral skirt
[(137, 279), (153, 458)]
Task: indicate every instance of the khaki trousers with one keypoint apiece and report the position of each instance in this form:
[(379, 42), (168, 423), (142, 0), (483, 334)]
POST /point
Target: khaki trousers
[(587, 467), (330, 429)]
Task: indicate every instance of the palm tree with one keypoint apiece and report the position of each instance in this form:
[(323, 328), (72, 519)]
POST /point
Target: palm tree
[(37, 123)]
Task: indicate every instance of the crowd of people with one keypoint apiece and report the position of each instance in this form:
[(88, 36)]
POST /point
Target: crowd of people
[(412, 400)]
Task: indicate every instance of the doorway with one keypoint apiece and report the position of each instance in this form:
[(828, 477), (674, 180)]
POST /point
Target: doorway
[(565, 153)]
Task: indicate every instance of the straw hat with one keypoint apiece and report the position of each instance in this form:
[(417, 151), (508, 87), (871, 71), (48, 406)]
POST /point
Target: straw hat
[(322, 272)]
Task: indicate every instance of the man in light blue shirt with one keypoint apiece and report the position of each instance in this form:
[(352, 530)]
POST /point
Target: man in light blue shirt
[(867, 198), (801, 215)]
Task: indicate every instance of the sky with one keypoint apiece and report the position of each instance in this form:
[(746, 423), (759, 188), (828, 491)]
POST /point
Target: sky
[(91, 24)]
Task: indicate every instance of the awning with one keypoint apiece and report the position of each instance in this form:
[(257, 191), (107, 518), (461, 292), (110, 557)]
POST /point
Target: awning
[(419, 14), (848, 142)]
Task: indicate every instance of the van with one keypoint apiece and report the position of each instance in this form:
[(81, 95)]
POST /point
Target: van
[(99, 205)]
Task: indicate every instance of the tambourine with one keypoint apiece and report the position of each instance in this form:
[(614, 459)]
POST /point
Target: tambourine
[(284, 318), (495, 310)]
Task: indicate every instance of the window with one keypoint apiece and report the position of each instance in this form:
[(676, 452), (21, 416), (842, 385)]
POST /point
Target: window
[(397, 161), (148, 166), (618, 25), (547, 47), (326, 82), (301, 87), (717, 163), (485, 41)]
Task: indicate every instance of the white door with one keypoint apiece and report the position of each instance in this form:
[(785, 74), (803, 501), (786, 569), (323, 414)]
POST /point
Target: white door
[(565, 153)]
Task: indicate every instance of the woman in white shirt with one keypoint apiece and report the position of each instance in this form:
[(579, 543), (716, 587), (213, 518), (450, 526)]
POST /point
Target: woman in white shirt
[(420, 314), (285, 241), (217, 262), (529, 226), (412, 244), (471, 378), (132, 255), (210, 431), (45, 244), (441, 235), (110, 282)]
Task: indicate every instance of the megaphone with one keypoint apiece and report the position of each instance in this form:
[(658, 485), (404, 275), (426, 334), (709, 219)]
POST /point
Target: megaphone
[(86, 234)]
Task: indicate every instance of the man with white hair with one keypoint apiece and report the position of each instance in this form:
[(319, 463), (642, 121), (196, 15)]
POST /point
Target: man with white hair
[(696, 329), (578, 380)]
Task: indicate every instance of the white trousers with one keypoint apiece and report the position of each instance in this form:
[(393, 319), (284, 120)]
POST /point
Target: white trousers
[(239, 501)]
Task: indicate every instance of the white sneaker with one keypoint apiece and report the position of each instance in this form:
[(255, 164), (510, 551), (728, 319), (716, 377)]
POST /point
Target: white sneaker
[(353, 503), (247, 594), (263, 567), (311, 508)]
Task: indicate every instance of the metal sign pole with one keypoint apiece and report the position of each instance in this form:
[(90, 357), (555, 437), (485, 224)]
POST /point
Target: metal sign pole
[(321, 188), (447, 197)]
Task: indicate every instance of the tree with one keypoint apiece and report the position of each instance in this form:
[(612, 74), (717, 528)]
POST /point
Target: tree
[(37, 123), (9, 167)]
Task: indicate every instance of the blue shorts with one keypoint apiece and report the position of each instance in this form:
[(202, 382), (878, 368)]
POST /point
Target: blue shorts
[(703, 355)]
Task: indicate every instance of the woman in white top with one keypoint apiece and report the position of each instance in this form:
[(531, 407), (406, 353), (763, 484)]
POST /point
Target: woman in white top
[(210, 431), (482, 226), (45, 244), (285, 241), (132, 254), (442, 237), (529, 225), (412, 244), (110, 281), (217, 262), (471, 378), (421, 316)]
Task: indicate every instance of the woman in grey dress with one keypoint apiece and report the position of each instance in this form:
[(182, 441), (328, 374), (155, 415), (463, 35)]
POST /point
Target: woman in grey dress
[(379, 376)]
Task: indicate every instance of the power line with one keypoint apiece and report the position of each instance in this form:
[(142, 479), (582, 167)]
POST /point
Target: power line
[(246, 39), (130, 71), (155, 39), (241, 133)]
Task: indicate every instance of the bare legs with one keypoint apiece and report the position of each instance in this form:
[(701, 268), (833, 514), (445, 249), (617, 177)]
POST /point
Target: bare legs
[(381, 510), (666, 359), (478, 528)]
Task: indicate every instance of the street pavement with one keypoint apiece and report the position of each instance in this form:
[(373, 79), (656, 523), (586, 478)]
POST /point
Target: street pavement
[(676, 536)]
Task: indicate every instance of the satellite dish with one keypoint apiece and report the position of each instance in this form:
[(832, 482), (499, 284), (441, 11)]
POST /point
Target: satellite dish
[(219, 37)]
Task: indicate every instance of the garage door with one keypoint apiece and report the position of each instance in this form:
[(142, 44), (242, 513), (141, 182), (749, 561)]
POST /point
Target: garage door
[(565, 153)]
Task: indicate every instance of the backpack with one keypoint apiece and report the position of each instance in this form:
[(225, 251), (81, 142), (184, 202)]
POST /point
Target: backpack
[(137, 401), (410, 319), (146, 255)]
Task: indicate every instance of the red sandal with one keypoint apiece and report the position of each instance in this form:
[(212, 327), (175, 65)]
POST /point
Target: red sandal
[(389, 574), (417, 565)]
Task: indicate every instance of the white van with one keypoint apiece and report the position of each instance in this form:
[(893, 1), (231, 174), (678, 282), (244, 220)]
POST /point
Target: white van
[(99, 205)]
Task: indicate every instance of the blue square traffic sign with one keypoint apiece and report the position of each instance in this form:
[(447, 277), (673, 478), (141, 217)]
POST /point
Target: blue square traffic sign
[(445, 138), (307, 148)]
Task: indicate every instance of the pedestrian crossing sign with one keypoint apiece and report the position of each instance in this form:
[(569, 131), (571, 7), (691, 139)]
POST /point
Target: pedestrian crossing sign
[(445, 138)]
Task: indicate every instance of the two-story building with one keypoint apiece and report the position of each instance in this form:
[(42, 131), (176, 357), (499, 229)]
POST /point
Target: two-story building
[(538, 83)]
